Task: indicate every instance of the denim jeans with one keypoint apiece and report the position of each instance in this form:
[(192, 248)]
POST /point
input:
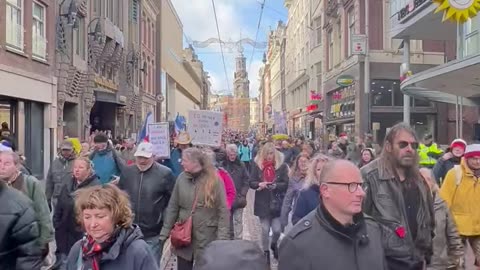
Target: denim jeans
[(276, 226), (156, 247)]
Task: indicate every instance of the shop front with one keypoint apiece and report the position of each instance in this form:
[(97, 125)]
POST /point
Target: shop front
[(340, 115)]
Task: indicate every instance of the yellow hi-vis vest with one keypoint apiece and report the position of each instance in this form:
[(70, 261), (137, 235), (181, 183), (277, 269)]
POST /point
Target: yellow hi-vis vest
[(423, 151)]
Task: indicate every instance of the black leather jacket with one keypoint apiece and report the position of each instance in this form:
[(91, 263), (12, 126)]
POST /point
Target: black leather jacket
[(384, 201), (149, 193)]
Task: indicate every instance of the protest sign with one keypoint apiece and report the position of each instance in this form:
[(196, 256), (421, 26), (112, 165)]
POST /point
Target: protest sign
[(158, 135), (205, 127)]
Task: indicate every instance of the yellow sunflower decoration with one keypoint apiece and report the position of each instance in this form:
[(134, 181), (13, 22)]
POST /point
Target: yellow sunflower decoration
[(458, 10)]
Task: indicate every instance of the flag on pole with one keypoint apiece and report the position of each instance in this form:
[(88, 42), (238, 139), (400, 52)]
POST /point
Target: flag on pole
[(180, 122), (143, 134)]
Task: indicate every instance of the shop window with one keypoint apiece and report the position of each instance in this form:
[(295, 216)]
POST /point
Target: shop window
[(381, 92), (397, 94), (422, 103)]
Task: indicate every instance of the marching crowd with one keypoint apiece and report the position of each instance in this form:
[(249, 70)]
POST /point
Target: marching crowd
[(404, 205)]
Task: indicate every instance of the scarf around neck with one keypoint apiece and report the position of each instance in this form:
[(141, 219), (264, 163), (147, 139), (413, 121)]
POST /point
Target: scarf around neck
[(92, 251), (268, 171)]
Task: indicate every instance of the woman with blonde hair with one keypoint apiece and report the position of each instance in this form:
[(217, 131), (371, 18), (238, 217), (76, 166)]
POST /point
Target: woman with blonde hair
[(111, 241), (297, 178), (309, 197), (199, 194), (67, 230), (269, 177)]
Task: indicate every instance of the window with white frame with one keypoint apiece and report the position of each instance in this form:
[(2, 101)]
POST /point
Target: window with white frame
[(350, 29), (14, 23), (39, 40), (318, 31), (330, 49), (318, 68), (471, 37)]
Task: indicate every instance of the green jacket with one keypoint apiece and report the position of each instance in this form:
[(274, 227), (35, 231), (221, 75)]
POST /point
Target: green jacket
[(32, 188), (209, 224)]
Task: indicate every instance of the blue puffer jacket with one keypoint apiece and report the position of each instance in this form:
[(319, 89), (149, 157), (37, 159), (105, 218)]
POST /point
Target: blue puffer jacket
[(244, 153)]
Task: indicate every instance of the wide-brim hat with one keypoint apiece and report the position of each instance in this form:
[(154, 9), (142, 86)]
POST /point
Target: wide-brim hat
[(183, 138)]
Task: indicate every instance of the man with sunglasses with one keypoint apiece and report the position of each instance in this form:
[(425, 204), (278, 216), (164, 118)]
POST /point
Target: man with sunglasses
[(399, 199), (336, 235)]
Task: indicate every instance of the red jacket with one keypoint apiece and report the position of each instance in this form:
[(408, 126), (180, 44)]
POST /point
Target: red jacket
[(229, 186)]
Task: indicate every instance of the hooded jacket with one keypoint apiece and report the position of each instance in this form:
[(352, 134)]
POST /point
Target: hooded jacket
[(60, 171), (107, 163), (230, 191), (19, 231), (67, 230), (149, 193), (208, 223), (443, 166), (128, 252), (232, 254), (460, 199)]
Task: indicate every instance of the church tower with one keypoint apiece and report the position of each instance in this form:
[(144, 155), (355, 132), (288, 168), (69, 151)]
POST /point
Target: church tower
[(241, 85), (241, 93)]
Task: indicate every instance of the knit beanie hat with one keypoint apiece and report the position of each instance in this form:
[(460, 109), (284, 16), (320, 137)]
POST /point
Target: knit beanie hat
[(472, 150), (458, 143)]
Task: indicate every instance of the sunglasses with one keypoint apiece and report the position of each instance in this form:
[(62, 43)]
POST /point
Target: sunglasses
[(404, 144)]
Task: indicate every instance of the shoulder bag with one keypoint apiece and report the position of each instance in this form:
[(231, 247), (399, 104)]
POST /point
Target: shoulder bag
[(181, 234)]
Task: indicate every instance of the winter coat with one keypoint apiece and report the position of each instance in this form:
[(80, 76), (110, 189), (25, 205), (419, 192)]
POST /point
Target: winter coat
[(19, 231), (307, 201), (294, 186), (244, 153), (33, 189), (460, 199), (128, 252), (149, 193), (67, 230), (288, 154), (60, 170), (232, 254), (354, 152), (384, 201), (240, 176), (209, 224), (230, 191), (106, 164), (447, 244), (442, 167), (336, 153), (175, 162), (128, 156), (318, 244), (268, 203)]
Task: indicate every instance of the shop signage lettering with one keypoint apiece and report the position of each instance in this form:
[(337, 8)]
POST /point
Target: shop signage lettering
[(412, 6), (345, 80), (315, 96)]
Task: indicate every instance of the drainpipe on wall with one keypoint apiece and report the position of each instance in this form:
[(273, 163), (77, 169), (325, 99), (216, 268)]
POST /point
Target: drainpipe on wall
[(406, 64)]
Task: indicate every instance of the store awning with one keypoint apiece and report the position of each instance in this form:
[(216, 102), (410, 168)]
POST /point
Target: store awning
[(445, 82), (101, 96)]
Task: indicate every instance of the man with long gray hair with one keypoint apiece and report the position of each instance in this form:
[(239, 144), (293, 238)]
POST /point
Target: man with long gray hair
[(397, 197)]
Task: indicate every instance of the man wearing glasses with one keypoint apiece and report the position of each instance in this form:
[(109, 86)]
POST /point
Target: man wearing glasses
[(398, 198), (336, 235)]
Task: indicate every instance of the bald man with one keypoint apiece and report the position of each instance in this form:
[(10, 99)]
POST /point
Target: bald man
[(336, 235)]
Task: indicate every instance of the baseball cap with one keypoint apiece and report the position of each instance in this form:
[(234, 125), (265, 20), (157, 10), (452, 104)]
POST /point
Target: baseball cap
[(66, 145), (144, 149)]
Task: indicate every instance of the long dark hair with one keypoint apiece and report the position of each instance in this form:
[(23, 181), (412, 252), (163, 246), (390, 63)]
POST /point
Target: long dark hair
[(295, 169), (387, 158)]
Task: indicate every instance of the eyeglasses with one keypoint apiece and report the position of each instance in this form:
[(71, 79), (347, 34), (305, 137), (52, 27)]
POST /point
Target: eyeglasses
[(352, 187), (404, 144)]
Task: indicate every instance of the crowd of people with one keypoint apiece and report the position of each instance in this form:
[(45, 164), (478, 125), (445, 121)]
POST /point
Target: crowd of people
[(404, 205)]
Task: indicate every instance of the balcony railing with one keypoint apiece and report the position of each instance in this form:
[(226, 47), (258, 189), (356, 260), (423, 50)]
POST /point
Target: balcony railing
[(39, 46), (15, 35)]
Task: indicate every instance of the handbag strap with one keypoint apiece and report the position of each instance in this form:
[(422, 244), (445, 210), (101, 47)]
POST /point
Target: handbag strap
[(194, 204)]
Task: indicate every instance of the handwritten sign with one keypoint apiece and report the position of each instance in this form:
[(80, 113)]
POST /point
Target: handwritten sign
[(205, 127), (159, 136)]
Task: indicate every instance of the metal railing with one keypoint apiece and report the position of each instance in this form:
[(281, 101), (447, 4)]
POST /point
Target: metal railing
[(15, 35)]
